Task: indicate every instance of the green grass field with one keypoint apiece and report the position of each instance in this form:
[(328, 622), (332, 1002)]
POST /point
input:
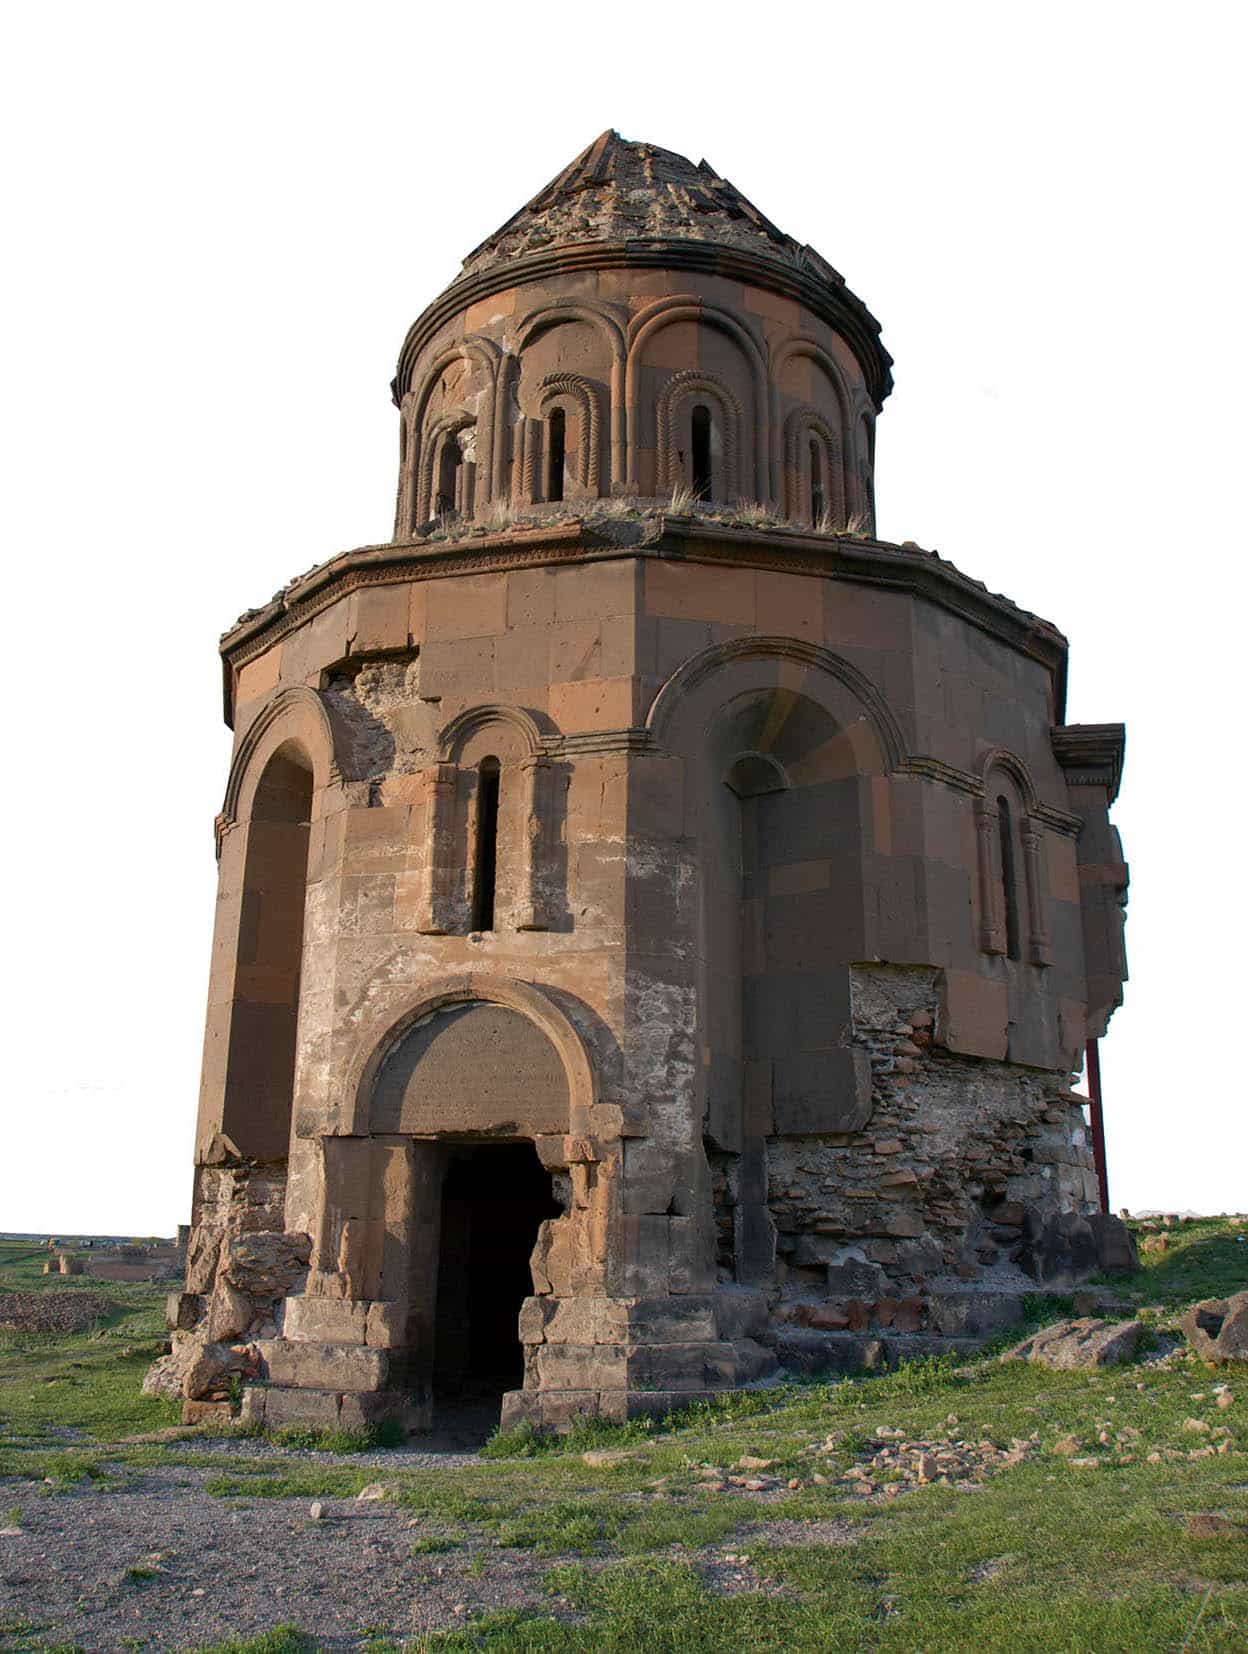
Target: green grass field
[(1044, 1555)]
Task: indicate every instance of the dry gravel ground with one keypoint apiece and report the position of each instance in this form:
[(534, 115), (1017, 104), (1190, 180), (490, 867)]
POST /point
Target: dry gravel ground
[(150, 1560), (234, 1569)]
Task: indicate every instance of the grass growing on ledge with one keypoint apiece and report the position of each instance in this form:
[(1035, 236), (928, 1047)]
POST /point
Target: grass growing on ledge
[(499, 517)]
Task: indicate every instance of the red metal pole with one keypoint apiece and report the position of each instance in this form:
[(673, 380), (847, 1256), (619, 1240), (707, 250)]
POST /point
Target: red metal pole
[(1098, 1121)]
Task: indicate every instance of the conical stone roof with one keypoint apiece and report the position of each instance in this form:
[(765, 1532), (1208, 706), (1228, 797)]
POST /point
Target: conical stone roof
[(621, 203), (621, 191)]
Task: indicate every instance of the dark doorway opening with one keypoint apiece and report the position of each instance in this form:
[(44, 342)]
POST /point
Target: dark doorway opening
[(494, 1198)]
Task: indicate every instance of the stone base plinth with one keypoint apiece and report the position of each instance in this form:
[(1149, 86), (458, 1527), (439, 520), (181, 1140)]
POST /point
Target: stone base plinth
[(558, 1411), (276, 1405)]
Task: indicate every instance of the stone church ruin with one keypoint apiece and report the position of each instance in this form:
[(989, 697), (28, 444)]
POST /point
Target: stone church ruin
[(659, 921)]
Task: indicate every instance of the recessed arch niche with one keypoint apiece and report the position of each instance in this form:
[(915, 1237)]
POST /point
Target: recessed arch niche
[(264, 1013)]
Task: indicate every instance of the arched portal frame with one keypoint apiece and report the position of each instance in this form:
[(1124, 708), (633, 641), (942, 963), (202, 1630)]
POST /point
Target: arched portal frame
[(598, 316), (403, 1009), (414, 407), (684, 707), (694, 385), (815, 352), (296, 713), (688, 307)]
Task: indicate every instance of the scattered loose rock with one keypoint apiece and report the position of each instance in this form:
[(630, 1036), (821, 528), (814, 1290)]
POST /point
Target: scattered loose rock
[(58, 1312)]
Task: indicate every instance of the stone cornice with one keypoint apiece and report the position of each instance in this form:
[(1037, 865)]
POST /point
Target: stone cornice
[(1091, 755), (690, 539), (833, 303)]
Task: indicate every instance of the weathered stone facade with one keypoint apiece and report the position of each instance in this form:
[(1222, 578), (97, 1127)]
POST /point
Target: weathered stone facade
[(658, 920)]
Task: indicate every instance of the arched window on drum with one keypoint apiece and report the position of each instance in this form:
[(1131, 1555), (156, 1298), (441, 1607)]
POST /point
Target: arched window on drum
[(447, 499)]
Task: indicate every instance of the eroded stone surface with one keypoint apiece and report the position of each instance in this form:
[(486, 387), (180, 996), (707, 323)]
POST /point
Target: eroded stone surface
[(1086, 1342)]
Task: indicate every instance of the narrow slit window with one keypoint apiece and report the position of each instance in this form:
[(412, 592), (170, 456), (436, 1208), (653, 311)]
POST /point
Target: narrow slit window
[(700, 441), (448, 476), (1009, 881), (816, 485), (486, 859), (558, 433)]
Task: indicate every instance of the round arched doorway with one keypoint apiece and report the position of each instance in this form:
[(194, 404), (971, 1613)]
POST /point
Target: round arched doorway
[(469, 1088)]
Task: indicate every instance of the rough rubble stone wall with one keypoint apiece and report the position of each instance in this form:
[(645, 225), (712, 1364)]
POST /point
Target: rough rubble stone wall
[(239, 1266), (388, 729), (229, 1201), (935, 1190)]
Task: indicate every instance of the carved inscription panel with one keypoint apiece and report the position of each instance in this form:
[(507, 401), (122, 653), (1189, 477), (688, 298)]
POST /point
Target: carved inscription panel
[(473, 1068)]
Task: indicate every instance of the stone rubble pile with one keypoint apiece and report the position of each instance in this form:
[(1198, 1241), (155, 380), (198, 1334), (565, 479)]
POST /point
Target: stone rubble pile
[(893, 1464), (52, 1312), (234, 1290)]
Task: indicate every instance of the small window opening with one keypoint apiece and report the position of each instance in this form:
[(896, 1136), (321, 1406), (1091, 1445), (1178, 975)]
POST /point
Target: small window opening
[(558, 447), (700, 433), (448, 476), (1009, 882), (816, 485), (486, 862)]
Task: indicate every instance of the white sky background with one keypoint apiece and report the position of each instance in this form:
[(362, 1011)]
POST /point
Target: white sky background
[(220, 222)]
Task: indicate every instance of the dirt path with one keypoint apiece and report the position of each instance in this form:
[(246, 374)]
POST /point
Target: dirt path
[(207, 1568)]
